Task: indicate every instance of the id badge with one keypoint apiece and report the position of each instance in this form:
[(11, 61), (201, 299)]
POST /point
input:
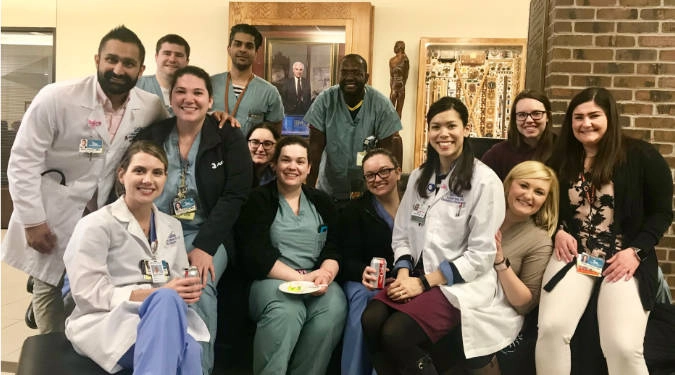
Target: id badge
[(184, 208), (419, 213), (590, 265), (91, 146), (359, 158), (156, 271)]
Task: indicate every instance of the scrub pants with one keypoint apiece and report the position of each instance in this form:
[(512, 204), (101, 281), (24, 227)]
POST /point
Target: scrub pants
[(621, 321), (207, 306), (48, 306), (163, 345), (295, 334), (355, 359)]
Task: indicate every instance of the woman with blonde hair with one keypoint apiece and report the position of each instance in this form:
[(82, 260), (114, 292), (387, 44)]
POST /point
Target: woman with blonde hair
[(523, 250), (524, 239)]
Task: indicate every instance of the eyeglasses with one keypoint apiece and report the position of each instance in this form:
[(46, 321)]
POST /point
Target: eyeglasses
[(254, 143), (382, 173), (536, 115)]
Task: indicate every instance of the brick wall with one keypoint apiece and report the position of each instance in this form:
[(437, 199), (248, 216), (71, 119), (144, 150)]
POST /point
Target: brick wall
[(627, 46)]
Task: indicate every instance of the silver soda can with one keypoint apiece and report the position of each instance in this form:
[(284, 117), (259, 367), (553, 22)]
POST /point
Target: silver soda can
[(380, 266), (192, 271)]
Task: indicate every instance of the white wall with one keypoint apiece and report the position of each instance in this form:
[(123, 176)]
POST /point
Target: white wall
[(81, 23)]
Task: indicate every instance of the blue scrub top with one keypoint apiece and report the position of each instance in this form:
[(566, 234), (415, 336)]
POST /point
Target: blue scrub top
[(165, 201), (339, 175), (298, 237), (261, 101)]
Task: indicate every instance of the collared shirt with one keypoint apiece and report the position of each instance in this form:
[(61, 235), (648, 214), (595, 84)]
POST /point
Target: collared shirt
[(113, 117)]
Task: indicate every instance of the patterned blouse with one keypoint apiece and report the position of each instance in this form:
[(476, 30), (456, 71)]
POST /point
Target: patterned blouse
[(594, 214)]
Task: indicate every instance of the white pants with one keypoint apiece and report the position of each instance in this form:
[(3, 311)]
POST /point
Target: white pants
[(621, 320)]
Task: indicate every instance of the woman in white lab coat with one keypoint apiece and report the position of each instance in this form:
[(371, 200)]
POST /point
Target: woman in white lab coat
[(126, 266), (444, 249)]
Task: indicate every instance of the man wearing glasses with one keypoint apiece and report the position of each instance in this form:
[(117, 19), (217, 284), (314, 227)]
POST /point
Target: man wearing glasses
[(345, 121)]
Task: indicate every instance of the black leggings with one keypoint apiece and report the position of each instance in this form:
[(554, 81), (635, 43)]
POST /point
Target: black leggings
[(394, 340)]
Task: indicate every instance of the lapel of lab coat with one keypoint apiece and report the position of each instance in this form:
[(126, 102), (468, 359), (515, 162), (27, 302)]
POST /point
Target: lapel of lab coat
[(96, 118), (444, 189), (120, 212)]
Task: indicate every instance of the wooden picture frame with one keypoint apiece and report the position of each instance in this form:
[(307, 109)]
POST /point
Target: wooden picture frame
[(485, 73), (319, 58)]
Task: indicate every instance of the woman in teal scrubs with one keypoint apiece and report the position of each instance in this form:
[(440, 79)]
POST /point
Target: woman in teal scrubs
[(286, 232)]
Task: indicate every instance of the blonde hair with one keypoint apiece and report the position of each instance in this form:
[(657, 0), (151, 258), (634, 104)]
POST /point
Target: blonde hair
[(547, 216)]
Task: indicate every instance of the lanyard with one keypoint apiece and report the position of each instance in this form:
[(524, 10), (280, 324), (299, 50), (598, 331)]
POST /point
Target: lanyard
[(184, 165), (182, 186), (153, 235), (227, 94), (589, 194)]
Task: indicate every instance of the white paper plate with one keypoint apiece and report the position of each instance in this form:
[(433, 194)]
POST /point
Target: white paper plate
[(298, 287)]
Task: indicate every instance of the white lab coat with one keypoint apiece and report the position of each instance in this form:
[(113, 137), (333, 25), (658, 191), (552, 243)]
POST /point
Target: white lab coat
[(462, 231), (49, 137), (102, 261)]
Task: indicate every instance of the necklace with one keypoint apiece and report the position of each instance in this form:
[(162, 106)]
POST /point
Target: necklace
[(357, 106)]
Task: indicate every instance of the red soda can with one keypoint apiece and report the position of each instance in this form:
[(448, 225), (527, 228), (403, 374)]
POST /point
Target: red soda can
[(380, 266)]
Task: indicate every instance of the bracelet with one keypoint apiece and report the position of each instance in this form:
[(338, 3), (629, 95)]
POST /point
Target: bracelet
[(425, 283), (500, 262)]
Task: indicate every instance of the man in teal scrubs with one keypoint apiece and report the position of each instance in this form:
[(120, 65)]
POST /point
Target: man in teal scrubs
[(341, 119), (250, 99), (172, 53)]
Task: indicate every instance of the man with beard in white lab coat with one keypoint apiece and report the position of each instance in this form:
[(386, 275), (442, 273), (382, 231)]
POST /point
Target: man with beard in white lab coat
[(63, 160)]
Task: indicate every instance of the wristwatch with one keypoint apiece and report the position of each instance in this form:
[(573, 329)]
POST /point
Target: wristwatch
[(501, 266), (425, 283), (640, 253)]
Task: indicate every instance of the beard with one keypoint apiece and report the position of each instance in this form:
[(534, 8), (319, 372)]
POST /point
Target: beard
[(115, 88)]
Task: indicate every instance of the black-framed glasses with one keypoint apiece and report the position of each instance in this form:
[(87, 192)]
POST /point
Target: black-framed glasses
[(382, 173), (255, 143), (536, 115)]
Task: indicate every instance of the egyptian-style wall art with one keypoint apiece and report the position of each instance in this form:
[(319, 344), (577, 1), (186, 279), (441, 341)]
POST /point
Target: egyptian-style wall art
[(486, 74)]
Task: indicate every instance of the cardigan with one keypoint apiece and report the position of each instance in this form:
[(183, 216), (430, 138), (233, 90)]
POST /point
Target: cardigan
[(643, 193), (364, 235), (252, 231), (224, 172)]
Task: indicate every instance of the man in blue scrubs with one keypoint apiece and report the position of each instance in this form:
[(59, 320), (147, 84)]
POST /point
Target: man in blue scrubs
[(172, 53), (241, 94), (345, 120)]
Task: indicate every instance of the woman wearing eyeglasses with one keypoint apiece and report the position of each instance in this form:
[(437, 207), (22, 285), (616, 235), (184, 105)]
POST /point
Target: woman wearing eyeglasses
[(444, 250), (261, 140), (529, 135), (209, 178), (366, 226)]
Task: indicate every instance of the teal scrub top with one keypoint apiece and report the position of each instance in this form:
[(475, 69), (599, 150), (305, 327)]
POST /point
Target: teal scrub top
[(339, 175), (261, 101), (165, 201), (151, 85), (299, 238)]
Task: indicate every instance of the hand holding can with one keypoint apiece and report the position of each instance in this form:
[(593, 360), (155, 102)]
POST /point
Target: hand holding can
[(380, 266)]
